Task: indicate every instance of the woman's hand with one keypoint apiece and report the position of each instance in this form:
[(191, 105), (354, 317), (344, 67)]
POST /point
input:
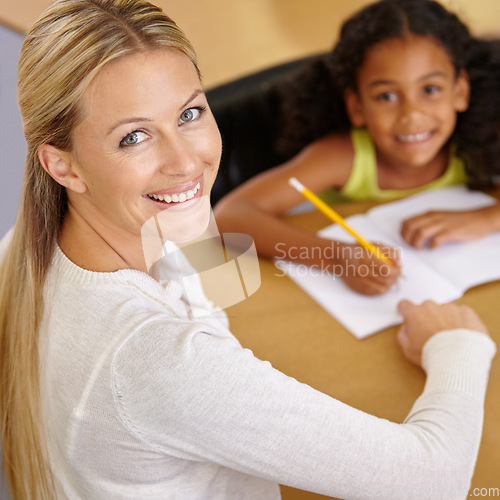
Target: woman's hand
[(436, 228), (365, 273), (421, 322)]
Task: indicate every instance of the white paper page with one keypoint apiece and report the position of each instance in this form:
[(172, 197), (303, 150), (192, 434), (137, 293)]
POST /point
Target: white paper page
[(464, 264), (360, 314)]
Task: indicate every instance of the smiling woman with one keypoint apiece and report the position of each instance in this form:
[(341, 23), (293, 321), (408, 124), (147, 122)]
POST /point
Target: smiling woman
[(110, 387), (135, 154)]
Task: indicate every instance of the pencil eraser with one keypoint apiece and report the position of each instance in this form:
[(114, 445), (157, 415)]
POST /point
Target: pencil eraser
[(296, 184)]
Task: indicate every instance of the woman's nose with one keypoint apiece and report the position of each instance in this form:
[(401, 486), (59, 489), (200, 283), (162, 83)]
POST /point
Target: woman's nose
[(177, 156)]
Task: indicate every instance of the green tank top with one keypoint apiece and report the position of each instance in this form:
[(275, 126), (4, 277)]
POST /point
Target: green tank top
[(363, 184)]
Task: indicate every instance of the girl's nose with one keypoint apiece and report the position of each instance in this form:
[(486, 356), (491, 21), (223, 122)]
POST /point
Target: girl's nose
[(410, 110)]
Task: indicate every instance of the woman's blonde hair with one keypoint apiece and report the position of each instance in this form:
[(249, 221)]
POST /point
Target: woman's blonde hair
[(61, 55)]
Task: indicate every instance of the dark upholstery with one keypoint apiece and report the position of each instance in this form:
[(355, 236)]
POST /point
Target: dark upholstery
[(249, 117)]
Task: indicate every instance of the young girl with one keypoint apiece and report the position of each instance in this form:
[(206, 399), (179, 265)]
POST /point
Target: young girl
[(406, 101)]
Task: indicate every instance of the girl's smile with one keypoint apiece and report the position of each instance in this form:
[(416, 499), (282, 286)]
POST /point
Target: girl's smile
[(408, 98), (414, 138)]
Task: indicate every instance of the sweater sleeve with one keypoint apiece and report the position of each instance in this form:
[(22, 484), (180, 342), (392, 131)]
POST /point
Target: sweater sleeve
[(197, 395)]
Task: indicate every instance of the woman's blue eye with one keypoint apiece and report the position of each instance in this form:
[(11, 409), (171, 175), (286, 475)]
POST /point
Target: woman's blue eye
[(133, 138), (190, 115)]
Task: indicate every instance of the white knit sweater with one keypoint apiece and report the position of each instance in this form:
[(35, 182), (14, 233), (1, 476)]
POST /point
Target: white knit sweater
[(143, 403)]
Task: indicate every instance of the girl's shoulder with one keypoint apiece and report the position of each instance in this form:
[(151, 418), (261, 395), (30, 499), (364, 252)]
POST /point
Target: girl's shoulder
[(339, 144), (332, 157)]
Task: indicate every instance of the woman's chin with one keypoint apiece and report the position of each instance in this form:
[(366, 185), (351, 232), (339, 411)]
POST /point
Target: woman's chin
[(186, 221)]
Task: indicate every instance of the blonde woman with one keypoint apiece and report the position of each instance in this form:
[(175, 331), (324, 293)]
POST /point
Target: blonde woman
[(109, 389)]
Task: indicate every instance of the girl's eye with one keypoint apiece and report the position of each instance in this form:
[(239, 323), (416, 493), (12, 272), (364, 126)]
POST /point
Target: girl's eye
[(191, 114), (431, 89), (386, 96), (133, 138)]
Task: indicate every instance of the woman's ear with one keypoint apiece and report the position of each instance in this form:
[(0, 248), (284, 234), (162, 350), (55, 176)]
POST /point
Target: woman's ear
[(462, 91), (354, 108), (59, 165)]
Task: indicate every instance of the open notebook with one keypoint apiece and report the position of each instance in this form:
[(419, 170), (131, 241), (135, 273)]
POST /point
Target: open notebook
[(442, 274)]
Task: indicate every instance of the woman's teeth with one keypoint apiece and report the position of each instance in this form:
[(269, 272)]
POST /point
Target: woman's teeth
[(176, 198)]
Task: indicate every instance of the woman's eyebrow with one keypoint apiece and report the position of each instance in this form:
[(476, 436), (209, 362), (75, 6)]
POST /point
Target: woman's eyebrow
[(128, 120), (135, 119), (196, 93)]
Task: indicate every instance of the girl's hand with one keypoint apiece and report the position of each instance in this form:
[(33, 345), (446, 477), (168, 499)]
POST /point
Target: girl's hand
[(363, 272), (421, 322), (436, 228)]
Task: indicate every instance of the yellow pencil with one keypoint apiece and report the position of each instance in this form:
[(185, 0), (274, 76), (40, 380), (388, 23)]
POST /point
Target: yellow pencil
[(335, 217)]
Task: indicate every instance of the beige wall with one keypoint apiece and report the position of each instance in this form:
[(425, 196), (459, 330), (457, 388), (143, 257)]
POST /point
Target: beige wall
[(235, 37)]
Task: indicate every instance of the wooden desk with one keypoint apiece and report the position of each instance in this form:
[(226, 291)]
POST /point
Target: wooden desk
[(282, 324)]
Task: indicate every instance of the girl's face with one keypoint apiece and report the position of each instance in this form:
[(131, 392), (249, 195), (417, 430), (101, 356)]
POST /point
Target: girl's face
[(147, 142), (408, 97)]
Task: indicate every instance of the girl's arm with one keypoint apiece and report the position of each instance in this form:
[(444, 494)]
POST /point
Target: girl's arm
[(257, 208), (439, 227)]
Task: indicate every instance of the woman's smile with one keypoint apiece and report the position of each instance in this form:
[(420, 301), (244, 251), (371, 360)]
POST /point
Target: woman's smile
[(180, 197), (137, 153), (147, 145)]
